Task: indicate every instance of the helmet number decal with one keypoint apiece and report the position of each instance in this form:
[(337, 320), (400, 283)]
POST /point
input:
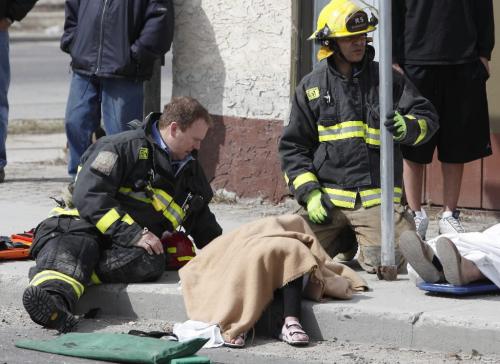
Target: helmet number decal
[(357, 22)]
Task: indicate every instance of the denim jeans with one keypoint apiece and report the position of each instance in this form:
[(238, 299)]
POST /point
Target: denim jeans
[(118, 101), (4, 87)]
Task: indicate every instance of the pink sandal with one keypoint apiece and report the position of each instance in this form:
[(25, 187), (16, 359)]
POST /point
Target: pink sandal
[(239, 341), (293, 334)]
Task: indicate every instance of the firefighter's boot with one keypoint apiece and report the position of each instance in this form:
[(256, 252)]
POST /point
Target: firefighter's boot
[(48, 309)]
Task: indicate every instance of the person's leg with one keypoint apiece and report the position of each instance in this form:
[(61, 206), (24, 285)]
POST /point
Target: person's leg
[(457, 270), (464, 133), (83, 116), (66, 251), (413, 177), (327, 234), (366, 224), (122, 102), (4, 104), (129, 265), (452, 181), (421, 257), (292, 332), (415, 158)]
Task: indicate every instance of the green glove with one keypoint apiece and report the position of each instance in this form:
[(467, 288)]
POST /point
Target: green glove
[(396, 124), (315, 209)]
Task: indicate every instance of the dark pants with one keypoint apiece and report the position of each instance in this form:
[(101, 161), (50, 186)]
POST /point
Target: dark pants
[(76, 249), (292, 297)]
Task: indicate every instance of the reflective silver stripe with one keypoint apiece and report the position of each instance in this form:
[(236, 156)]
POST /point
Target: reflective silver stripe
[(373, 196), (169, 211), (372, 136), (341, 198), (161, 201), (349, 129), (344, 130), (140, 196)]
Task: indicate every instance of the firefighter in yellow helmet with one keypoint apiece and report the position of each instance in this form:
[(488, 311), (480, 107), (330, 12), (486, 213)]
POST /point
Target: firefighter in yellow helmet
[(330, 149)]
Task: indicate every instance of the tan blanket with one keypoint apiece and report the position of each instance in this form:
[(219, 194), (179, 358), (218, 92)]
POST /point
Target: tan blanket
[(233, 279)]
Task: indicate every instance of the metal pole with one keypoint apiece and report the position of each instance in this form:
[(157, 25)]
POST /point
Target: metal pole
[(152, 91), (388, 269)]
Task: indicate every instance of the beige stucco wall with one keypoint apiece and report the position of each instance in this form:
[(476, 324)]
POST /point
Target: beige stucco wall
[(234, 56)]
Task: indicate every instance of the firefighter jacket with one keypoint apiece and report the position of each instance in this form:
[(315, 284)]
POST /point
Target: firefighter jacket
[(332, 141), (127, 182)]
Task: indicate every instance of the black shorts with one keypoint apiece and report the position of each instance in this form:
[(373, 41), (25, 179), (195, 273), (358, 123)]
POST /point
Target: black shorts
[(458, 92)]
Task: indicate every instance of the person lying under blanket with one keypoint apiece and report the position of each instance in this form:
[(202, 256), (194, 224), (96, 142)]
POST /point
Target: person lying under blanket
[(233, 279)]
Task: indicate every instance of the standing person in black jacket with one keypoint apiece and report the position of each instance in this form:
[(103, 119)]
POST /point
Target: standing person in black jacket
[(113, 45), (10, 11), (444, 47), (132, 189)]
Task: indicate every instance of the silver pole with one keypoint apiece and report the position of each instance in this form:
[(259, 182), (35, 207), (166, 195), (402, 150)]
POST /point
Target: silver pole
[(388, 270)]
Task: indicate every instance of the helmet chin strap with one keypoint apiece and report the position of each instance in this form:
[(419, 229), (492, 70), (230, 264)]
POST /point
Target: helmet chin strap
[(334, 46)]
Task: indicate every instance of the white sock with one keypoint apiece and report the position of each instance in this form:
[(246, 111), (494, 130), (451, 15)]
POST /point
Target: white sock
[(421, 214), (446, 214)]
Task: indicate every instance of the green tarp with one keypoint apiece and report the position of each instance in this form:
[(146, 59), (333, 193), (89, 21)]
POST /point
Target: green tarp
[(119, 348)]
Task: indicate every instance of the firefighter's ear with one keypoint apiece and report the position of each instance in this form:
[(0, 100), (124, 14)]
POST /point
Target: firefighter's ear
[(174, 129)]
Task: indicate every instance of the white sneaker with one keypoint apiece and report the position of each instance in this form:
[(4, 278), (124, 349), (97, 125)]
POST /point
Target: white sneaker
[(421, 224), (451, 224)]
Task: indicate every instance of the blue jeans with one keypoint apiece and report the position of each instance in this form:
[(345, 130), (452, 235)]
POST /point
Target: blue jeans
[(4, 88), (118, 101)]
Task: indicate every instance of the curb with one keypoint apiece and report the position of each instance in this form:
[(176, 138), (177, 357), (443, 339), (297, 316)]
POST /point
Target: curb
[(386, 315), (36, 126), (16, 37)]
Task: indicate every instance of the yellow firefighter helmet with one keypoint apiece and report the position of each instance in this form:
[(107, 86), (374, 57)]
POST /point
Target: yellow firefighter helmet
[(343, 18)]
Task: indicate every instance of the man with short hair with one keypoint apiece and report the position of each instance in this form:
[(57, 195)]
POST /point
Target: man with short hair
[(131, 189), (10, 11), (330, 150)]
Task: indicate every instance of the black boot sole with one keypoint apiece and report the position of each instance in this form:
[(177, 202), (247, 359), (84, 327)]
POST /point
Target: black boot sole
[(44, 311)]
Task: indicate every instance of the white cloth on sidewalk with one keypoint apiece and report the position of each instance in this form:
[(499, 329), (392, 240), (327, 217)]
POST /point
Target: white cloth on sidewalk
[(481, 248), (191, 329)]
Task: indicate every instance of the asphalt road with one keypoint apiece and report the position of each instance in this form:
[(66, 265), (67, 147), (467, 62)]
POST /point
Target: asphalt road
[(40, 80), (16, 326)]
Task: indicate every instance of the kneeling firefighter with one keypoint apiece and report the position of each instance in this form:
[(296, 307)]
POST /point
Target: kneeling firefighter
[(330, 149), (131, 190)]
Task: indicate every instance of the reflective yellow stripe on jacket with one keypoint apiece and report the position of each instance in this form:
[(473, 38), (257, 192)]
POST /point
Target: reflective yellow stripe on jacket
[(104, 222), (341, 198), (369, 197), (373, 196), (171, 210), (349, 129), (59, 211), (161, 201), (304, 178)]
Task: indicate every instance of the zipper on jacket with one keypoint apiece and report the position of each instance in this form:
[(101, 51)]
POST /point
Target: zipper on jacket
[(99, 52)]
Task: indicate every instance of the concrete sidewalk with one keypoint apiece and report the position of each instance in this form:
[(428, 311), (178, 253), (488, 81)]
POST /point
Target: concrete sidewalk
[(392, 313)]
